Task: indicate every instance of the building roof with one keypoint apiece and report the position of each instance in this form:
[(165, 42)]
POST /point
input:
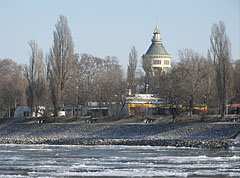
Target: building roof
[(234, 105), (156, 49), (142, 99)]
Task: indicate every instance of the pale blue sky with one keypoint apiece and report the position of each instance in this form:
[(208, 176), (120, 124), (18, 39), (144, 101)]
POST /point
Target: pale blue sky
[(108, 27)]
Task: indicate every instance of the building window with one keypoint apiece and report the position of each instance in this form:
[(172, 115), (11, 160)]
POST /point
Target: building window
[(156, 61), (166, 62)]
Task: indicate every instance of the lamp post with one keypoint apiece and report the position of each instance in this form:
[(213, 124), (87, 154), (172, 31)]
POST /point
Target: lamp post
[(77, 103), (147, 88), (204, 99)]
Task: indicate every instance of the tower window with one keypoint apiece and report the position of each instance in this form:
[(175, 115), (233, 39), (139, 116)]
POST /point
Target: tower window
[(166, 62), (156, 61)]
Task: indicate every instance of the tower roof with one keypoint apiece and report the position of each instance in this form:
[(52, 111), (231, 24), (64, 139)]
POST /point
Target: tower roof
[(156, 47)]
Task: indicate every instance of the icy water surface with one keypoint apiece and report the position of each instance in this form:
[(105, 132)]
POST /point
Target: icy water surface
[(116, 161)]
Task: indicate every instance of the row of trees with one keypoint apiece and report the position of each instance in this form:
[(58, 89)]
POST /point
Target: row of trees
[(66, 78), (62, 78)]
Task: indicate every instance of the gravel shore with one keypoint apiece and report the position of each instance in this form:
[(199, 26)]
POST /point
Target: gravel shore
[(190, 134)]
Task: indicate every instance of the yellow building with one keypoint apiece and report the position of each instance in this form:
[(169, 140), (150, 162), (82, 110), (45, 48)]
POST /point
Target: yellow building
[(141, 104)]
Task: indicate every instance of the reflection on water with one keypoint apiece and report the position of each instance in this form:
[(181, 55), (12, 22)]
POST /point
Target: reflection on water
[(116, 161)]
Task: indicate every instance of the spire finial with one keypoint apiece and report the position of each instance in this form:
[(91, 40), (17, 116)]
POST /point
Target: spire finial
[(156, 22), (156, 36), (156, 28)]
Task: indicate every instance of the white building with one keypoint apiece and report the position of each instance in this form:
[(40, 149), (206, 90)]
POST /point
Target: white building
[(157, 56), (22, 111)]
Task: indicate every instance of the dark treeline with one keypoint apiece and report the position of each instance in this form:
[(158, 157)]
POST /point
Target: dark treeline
[(66, 78)]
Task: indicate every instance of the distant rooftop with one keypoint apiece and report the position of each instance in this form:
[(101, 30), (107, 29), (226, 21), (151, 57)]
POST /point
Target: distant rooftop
[(142, 98)]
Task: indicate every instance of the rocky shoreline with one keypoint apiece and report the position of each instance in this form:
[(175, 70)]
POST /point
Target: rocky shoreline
[(213, 144)]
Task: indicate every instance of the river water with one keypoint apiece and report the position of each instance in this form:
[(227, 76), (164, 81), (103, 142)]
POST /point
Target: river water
[(116, 161)]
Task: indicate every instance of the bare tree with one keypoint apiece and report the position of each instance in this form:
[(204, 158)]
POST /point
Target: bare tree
[(146, 64), (90, 67), (131, 71), (140, 81), (12, 87), (211, 93), (221, 53), (59, 61), (108, 84), (192, 74), (184, 84), (170, 91), (35, 74)]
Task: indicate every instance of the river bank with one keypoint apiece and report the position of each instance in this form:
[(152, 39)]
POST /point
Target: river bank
[(215, 144), (179, 134)]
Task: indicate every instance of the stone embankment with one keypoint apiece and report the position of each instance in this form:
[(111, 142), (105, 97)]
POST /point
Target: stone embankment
[(216, 144)]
